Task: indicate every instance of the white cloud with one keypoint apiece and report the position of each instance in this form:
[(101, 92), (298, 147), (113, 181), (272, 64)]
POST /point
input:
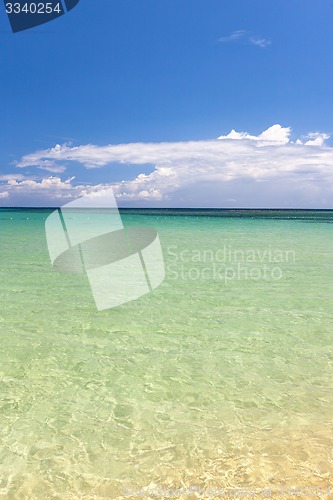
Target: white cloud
[(51, 166), (275, 134), (236, 35), (245, 35), (237, 169), (9, 177), (156, 153), (316, 139), (54, 189), (259, 41), (51, 188)]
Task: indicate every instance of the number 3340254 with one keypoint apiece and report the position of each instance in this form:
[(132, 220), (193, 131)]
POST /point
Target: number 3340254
[(33, 8)]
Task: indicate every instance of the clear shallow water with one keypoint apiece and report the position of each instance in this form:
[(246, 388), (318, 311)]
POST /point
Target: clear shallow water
[(205, 382)]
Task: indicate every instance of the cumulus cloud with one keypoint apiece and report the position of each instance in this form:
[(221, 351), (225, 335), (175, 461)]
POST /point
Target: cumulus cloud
[(275, 134), (53, 187), (316, 139), (238, 170), (9, 177), (52, 191), (246, 36)]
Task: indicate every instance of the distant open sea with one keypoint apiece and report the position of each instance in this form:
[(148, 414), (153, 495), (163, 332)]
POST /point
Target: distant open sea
[(220, 378)]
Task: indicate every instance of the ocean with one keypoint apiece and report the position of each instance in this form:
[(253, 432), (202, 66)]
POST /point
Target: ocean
[(218, 383)]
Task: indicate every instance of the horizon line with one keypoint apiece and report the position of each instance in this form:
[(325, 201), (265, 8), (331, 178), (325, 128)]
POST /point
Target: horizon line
[(175, 208)]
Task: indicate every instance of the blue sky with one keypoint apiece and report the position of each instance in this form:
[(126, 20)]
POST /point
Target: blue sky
[(117, 73)]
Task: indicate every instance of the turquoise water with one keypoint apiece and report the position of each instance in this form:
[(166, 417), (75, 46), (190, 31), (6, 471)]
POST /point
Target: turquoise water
[(221, 377)]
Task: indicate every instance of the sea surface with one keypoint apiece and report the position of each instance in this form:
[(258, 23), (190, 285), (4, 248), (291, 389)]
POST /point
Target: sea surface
[(220, 378)]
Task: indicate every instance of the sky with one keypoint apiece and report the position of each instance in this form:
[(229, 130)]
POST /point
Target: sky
[(191, 103)]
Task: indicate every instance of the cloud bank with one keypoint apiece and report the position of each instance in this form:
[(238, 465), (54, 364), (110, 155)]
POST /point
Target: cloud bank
[(235, 170)]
